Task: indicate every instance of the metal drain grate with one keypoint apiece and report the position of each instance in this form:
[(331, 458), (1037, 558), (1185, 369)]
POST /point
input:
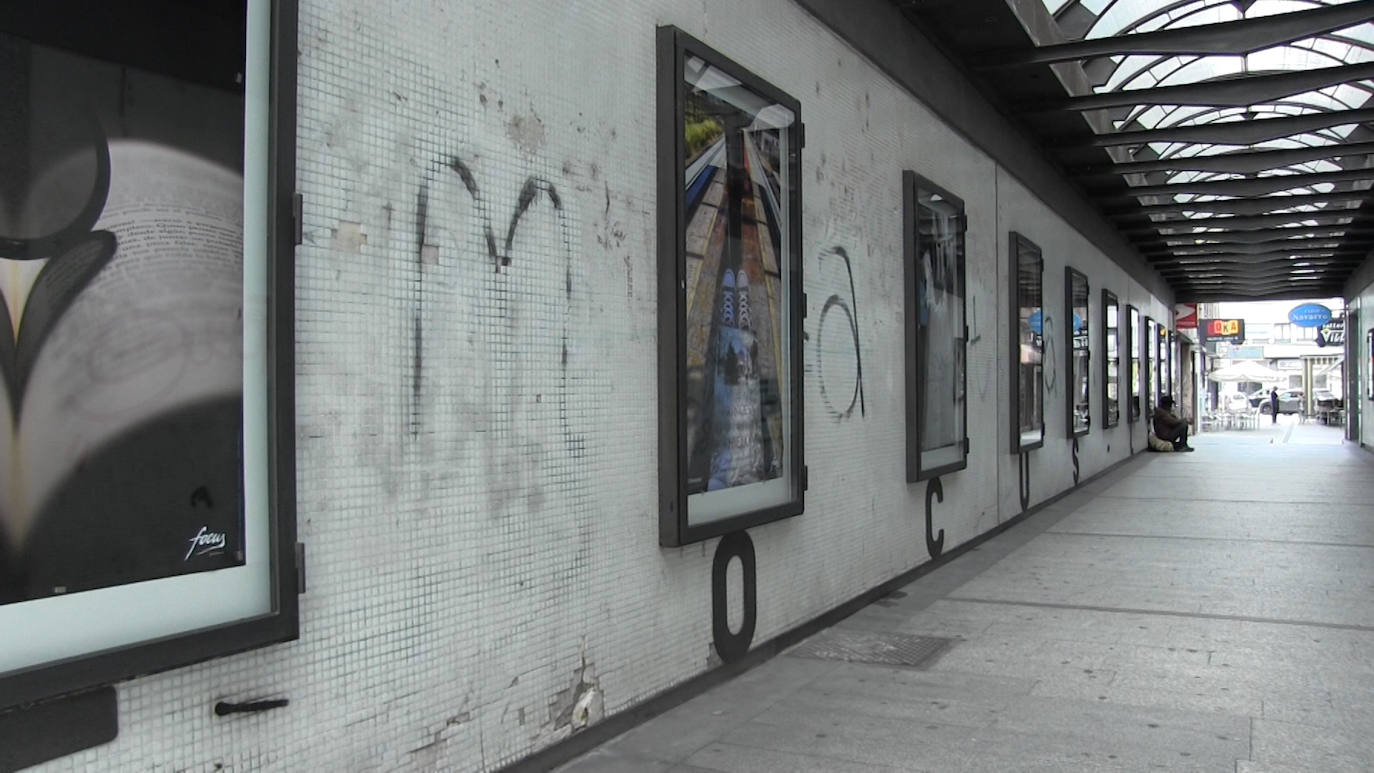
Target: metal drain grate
[(890, 649)]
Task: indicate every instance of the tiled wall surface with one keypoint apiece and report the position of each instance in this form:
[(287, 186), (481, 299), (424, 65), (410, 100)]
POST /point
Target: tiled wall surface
[(477, 447)]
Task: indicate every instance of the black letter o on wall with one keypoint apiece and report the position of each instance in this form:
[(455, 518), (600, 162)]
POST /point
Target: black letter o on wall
[(733, 646)]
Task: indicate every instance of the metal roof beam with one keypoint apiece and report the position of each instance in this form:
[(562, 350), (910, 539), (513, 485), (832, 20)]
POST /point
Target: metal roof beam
[(1242, 223), (1250, 186), (1253, 284), (1238, 206), (1270, 236), (1360, 246), (1242, 91), (1261, 251), (1249, 162), (1235, 37), (1328, 257), (1243, 132)]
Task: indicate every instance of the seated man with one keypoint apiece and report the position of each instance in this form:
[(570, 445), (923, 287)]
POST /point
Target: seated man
[(1168, 426)]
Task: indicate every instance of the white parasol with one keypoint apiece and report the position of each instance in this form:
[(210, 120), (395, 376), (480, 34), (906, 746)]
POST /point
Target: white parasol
[(1246, 370)]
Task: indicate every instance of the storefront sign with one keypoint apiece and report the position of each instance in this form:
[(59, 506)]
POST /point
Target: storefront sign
[(1332, 333), (1309, 315), (1185, 316), (1229, 330)]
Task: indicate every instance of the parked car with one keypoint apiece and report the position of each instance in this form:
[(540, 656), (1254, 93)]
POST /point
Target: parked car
[(1326, 400), (1290, 401), (1258, 396)]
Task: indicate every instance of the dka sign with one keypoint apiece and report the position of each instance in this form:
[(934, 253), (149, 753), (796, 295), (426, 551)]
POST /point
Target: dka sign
[(1229, 330), (1309, 315)]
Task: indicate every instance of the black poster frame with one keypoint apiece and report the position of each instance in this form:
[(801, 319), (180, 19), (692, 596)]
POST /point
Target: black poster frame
[(1174, 377), (1161, 345), (1148, 378), (1135, 370), (1021, 246), (1369, 366), (1111, 357), (673, 47), (1071, 277), (912, 185), (104, 667)]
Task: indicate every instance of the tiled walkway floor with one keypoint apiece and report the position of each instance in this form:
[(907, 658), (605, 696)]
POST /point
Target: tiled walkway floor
[(1207, 611)]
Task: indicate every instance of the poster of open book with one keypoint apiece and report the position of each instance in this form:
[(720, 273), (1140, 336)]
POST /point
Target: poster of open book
[(146, 294), (121, 324)]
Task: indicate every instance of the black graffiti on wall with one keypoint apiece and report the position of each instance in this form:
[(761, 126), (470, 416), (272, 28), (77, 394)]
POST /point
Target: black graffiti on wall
[(1051, 366), (533, 186), (839, 316), (500, 252), (1075, 461)]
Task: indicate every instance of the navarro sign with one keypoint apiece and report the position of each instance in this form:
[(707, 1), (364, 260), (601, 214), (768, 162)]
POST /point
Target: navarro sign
[(1309, 315), (1231, 331)]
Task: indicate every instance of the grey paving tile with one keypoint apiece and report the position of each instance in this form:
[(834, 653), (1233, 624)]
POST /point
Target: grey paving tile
[(943, 747), (1246, 703), (675, 735), (1249, 766), (611, 761), (1342, 523), (1319, 748), (897, 705), (929, 683), (731, 758), (1211, 735)]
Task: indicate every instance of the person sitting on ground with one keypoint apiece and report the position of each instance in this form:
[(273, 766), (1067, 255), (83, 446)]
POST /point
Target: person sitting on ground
[(1168, 426)]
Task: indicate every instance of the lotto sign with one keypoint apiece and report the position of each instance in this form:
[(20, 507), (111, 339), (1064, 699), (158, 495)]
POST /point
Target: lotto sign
[(1229, 330)]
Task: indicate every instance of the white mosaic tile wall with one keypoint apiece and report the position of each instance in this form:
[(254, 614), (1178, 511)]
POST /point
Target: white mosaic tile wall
[(477, 448)]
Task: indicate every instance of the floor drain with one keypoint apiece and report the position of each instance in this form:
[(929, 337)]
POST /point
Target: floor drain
[(890, 649)]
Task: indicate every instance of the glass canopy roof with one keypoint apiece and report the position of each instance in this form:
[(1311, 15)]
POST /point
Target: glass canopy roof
[(1326, 183)]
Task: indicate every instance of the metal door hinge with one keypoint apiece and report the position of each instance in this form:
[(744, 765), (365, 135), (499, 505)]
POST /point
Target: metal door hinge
[(297, 219), (300, 567)]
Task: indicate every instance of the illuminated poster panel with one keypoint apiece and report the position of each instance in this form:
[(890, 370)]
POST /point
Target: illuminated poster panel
[(730, 274), (1080, 353), (146, 500), (1027, 345), (936, 330), (1132, 338), (1111, 359)]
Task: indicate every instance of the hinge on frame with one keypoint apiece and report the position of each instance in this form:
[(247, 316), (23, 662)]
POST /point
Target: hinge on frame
[(300, 567), (968, 447), (801, 134), (803, 306), (806, 477), (297, 219)]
